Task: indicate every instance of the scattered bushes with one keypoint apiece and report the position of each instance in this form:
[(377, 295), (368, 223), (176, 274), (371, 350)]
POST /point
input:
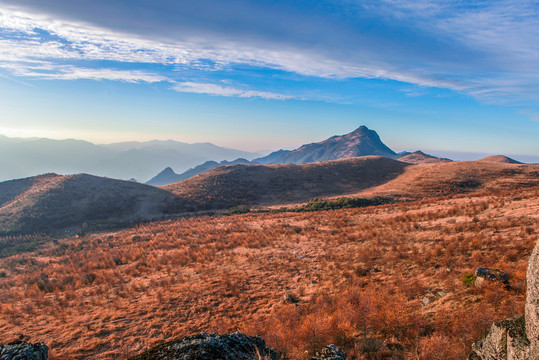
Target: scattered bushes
[(358, 276)]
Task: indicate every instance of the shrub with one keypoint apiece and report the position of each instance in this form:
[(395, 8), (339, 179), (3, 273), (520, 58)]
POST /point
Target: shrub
[(468, 279)]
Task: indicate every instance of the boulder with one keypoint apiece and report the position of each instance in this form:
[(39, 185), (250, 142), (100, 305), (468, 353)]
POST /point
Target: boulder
[(330, 352), (516, 338), (20, 350), (234, 346), (505, 340), (532, 301), (483, 274)]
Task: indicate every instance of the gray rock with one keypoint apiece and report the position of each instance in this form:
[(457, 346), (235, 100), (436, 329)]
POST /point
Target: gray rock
[(234, 346), (505, 340), (516, 338), (532, 301), (330, 352), (432, 296), (483, 273), (24, 351)]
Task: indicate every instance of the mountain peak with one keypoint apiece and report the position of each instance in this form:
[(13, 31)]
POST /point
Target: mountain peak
[(361, 130), (167, 171), (360, 142)]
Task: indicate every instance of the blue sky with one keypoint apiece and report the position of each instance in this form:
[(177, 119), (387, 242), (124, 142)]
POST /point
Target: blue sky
[(442, 76)]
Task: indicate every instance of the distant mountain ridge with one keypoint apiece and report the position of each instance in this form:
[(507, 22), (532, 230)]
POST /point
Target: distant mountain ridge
[(168, 176), (360, 142), (139, 160)]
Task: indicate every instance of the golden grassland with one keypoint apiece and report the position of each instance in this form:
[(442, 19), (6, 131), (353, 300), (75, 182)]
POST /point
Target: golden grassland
[(353, 277)]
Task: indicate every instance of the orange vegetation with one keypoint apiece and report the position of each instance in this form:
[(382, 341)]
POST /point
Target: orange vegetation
[(354, 277)]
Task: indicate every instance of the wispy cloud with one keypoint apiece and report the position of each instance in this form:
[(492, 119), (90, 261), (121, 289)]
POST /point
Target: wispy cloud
[(219, 90), (485, 49)]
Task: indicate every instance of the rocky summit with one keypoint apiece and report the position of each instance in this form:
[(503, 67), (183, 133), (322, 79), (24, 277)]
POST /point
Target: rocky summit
[(516, 338), (23, 351), (360, 142)]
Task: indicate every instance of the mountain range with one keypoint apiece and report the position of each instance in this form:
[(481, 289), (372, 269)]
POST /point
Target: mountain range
[(50, 202), (360, 142), (125, 160)]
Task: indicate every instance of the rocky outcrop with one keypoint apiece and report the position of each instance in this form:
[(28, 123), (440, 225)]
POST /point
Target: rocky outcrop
[(505, 340), (516, 338), (330, 352), (24, 351), (234, 346), (532, 301)]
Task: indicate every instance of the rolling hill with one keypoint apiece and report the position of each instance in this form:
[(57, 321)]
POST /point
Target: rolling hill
[(419, 157), (367, 176), (500, 159), (51, 202), (271, 184), (440, 179)]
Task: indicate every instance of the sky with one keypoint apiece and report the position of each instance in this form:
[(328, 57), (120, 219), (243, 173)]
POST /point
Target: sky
[(446, 76)]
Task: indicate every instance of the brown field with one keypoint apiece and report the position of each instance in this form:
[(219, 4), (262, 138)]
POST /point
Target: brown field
[(359, 277)]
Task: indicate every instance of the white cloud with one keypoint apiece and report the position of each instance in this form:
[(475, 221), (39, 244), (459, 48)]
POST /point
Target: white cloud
[(214, 89), (79, 41), (497, 41)]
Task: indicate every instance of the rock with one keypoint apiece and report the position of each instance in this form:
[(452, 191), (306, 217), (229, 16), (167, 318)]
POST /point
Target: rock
[(532, 301), (24, 351), (432, 296), (234, 346), (289, 298), (516, 338), (505, 340), (330, 352), (490, 274)]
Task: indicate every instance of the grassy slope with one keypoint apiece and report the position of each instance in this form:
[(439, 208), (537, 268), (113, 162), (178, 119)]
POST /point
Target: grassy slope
[(117, 294), (229, 186)]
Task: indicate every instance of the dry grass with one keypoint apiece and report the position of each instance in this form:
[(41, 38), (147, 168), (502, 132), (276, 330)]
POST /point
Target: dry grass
[(359, 275)]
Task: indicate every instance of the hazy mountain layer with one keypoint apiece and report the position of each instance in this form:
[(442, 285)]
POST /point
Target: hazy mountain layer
[(139, 160)]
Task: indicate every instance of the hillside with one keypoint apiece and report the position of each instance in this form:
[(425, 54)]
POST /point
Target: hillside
[(52, 202), (368, 176), (380, 282), (274, 184), (419, 157), (500, 159), (428, 180)]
